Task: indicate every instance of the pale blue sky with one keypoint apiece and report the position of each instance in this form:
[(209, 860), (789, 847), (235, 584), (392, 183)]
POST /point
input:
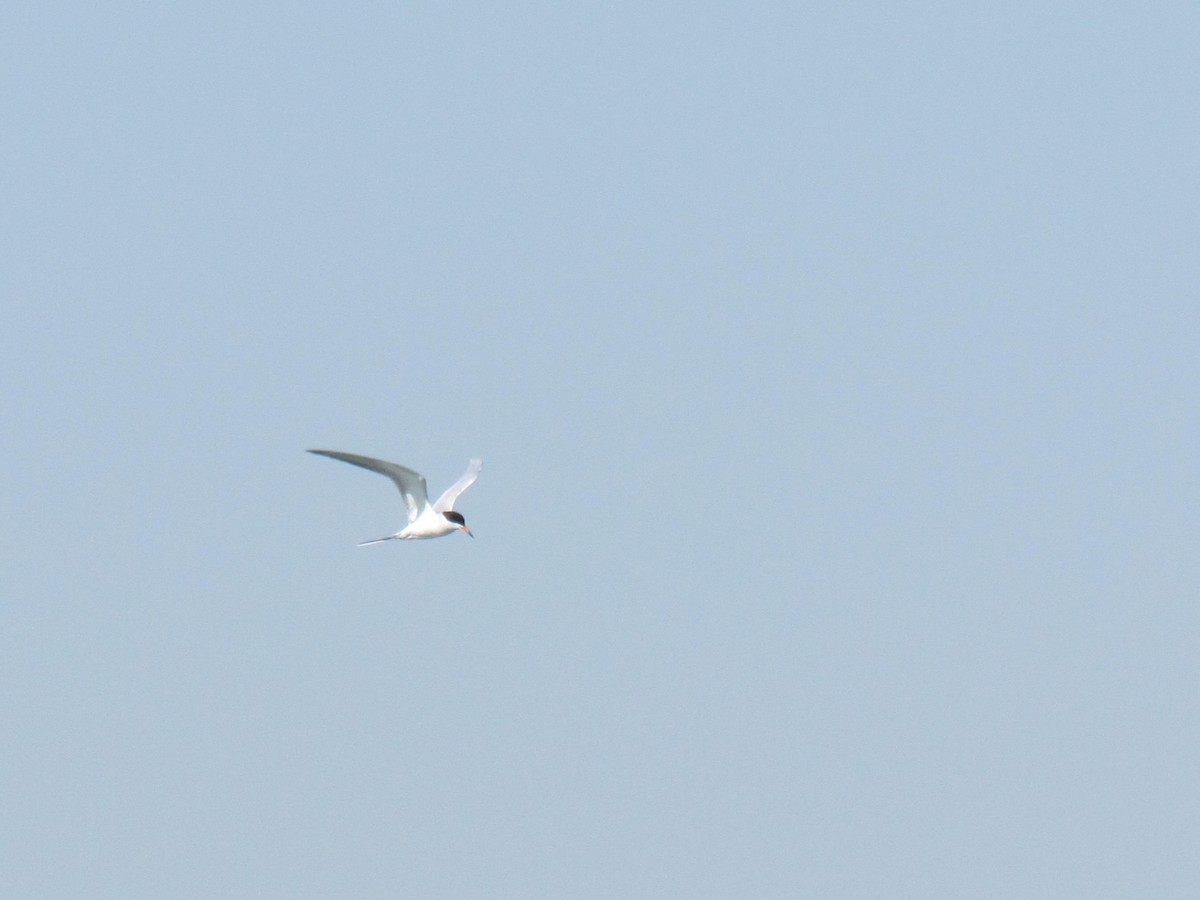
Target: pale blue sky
[(834, 367)]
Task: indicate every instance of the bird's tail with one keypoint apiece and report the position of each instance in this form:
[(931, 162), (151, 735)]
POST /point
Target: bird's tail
[(390, 537)]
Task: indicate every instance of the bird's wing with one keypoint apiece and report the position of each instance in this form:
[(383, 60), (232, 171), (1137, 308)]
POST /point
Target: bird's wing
[(446, 501), (411, 484)]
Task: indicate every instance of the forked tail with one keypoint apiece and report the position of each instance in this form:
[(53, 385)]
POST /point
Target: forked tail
[(390, 537)]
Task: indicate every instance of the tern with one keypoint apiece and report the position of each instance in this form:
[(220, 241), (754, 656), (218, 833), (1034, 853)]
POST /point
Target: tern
[(424, 521)]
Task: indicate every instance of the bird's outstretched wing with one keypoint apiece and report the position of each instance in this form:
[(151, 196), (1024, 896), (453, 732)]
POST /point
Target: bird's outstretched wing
[(411, 484), (446, 501)]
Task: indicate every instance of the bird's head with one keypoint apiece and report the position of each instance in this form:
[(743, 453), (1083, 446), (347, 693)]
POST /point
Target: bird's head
[(456, 519)]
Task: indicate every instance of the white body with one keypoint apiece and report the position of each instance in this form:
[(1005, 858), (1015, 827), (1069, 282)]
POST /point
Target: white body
[(425, 520), (429, 524)]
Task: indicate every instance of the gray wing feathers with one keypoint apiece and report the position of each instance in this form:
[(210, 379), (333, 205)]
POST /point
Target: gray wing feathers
[(446, 501), (411, 484)]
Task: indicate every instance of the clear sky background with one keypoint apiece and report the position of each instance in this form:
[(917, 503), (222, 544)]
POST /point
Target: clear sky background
[(834, 367)]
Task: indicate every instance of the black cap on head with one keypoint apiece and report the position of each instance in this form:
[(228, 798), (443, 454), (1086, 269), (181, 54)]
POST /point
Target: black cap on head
[(455, 517)]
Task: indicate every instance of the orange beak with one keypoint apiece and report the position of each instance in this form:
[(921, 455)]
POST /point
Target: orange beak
[(466, 529)]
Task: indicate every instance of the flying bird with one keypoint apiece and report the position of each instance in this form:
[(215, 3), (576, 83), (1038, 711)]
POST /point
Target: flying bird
[(424, 521)]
